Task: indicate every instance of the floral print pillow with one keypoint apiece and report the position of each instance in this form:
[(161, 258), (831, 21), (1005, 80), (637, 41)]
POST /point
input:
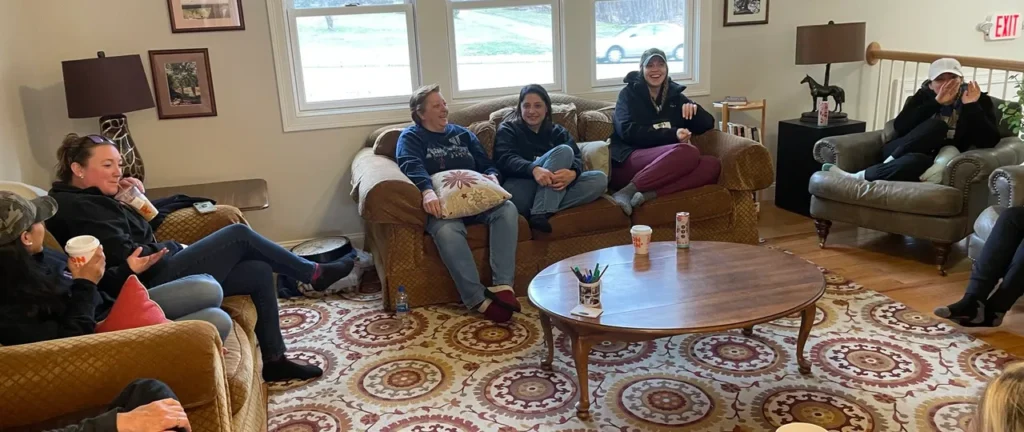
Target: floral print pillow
[(465, 193)]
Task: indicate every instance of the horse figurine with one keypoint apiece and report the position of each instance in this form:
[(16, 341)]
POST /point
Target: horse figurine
[(820, 91)]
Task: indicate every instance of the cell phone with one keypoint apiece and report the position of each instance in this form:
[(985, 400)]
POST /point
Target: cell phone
[(204, 207)]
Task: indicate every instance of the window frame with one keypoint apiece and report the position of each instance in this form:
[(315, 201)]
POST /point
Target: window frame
[(556, 46), (696, 78)]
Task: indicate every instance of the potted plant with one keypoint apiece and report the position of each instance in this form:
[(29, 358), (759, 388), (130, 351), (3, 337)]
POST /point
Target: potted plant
[(1012, 114)]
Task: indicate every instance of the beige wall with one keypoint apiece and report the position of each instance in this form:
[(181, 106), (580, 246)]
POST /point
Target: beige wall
[(308, 172)]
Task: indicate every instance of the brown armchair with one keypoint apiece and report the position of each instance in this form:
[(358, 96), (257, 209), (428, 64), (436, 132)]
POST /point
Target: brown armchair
[(75, 377)]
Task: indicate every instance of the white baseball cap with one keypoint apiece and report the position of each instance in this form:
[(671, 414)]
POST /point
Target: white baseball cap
[(944, 65)]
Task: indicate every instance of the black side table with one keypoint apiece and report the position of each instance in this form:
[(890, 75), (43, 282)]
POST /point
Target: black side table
[(796, 162)]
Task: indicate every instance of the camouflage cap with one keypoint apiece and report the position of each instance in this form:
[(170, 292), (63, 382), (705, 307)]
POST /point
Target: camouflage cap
[(18, 214)]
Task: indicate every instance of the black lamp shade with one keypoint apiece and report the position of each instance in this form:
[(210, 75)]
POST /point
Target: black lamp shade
[(105, 86), (830, 43)]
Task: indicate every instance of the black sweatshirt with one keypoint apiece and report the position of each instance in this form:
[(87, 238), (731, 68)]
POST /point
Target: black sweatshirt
[(976, 126), (119, 228), (636, 117), (516, 147), (79, 306)]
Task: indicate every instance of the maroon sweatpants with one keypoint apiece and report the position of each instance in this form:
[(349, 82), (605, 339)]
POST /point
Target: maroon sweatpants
[(666, 169)]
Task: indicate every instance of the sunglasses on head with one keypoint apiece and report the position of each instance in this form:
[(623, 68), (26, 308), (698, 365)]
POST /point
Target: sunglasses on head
[(98, 139)]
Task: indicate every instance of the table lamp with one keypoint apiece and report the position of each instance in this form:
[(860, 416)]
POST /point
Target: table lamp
[(827, 44), (108, 87)]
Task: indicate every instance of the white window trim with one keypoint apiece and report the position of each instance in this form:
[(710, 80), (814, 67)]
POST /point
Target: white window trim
[(294, 119), (697, 80), (556, 46), (297, 117)]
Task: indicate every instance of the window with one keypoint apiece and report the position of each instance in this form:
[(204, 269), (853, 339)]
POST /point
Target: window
[(503, 45), (348, 56), (624, 29)]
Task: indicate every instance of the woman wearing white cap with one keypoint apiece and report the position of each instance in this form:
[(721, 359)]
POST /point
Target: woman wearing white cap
[(945, 111)]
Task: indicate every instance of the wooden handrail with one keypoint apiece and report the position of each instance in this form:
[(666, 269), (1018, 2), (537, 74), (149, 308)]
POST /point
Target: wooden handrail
[(875, 53)]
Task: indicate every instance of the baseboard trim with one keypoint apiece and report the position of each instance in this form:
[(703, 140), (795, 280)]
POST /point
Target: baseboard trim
[(358, 241)]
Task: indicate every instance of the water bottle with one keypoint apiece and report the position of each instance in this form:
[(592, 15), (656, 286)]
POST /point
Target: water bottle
[(402, 303)]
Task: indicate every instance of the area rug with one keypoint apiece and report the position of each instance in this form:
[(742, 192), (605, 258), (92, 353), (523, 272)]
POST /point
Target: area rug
[(877, 366)]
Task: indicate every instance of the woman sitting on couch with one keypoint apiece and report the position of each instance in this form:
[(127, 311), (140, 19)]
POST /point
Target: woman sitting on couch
[(44, 297), (650, 150), (89, 176), (433, 145), (541, 163)]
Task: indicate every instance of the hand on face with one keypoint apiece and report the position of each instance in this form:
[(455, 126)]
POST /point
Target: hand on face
[(946, 94), (972, 94)]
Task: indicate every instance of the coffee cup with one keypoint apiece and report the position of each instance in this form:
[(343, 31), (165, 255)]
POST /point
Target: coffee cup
[(81, 249), (800, 427), (138, 201), (641, 239)]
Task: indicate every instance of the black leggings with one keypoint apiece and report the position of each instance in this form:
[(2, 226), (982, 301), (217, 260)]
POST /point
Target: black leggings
[(913, 153), (1001, 258)]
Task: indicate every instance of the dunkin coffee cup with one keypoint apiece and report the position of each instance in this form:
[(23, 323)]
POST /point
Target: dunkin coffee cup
[(81, 249), (641, 239), (138, 201)]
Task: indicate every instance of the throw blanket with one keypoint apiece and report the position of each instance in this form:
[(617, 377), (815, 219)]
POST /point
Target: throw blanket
[(171, 204)]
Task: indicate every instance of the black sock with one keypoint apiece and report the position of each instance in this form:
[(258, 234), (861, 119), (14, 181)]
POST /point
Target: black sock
[(988, 319), (333, 271), (283, 369), (968, 308), (540, 222)]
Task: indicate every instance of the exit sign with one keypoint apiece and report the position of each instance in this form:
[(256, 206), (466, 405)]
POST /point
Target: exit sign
[(1003, 27)]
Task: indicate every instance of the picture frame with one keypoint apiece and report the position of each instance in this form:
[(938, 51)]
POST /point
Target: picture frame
[(205, 15), (183, 83), (745, 12)]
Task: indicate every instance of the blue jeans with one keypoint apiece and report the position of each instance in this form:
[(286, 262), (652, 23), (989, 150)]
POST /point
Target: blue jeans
[(450, 237), (243, 262), (531, 198), (193, 298)]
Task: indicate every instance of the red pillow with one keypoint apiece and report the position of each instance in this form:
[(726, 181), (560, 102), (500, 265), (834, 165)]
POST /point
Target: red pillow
[(132, 309)]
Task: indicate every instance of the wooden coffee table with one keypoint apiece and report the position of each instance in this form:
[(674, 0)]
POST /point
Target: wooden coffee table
[(710, 287)]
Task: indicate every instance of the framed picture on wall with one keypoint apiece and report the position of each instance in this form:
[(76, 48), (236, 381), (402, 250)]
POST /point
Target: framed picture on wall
[(746, 12), (183, 83), (205, 15)]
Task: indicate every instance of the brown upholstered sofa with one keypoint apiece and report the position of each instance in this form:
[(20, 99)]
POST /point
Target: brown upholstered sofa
[(405, 255), (1007, 186), (78, 376)]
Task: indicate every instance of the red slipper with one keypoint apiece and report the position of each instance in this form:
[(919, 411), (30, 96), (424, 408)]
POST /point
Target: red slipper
[(506, 295), (494, 312)]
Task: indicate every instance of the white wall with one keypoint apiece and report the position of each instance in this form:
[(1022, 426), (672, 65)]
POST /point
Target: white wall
[(308, 172)]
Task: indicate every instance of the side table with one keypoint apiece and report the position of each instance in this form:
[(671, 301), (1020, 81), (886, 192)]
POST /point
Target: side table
[(795, 160), (246, 195)]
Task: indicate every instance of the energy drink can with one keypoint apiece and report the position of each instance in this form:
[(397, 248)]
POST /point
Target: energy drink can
[(683, 230)]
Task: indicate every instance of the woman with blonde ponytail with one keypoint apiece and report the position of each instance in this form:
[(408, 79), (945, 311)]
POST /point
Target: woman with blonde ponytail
[(1002, 405)]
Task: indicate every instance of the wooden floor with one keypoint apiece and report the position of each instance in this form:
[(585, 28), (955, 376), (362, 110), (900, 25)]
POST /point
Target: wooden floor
[(899, 267)]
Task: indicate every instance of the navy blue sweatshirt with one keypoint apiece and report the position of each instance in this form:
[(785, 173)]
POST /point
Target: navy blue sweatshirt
[(119, 228), (976, 126), (636, 117), (516, 147), (422, 153), (73, 311)]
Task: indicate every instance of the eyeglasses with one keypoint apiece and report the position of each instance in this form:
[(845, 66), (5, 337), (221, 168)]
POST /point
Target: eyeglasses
[(98, 139)]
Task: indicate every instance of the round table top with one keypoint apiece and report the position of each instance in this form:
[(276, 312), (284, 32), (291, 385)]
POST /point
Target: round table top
[(712, 286)]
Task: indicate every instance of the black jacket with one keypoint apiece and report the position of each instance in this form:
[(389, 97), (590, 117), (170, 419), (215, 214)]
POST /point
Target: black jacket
[(976, 127), (516, 146), (635, 118), (78, 306), (119, 228)]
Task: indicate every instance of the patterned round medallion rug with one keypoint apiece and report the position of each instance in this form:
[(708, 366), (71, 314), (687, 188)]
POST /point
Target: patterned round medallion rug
[(877, 366)]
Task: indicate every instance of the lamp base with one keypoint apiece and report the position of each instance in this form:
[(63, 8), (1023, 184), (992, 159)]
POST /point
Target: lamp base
[(115, 127), (833, 117)]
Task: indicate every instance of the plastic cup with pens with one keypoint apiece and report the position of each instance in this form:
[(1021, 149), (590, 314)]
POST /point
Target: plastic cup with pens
[(589, 291)]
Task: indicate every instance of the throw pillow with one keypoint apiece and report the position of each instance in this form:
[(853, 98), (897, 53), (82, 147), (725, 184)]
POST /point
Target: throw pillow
[(596, 125), (465, 193), (132, 309), (387, 142), (934, 173), (595, 157), (561, 114), (484, 131)]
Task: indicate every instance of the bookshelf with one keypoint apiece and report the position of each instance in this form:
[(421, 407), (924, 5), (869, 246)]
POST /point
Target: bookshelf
[(750, 106)]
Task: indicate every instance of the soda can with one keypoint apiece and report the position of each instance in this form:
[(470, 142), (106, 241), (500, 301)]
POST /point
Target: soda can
[(823, 112), (683, 230)]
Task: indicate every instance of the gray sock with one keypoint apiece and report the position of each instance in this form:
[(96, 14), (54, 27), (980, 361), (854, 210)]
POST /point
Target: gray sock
[(641, 197), (623, 197)]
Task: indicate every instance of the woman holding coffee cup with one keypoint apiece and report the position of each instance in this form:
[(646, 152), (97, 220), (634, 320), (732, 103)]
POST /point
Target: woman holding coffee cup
[(89, 179), (45, 295)]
